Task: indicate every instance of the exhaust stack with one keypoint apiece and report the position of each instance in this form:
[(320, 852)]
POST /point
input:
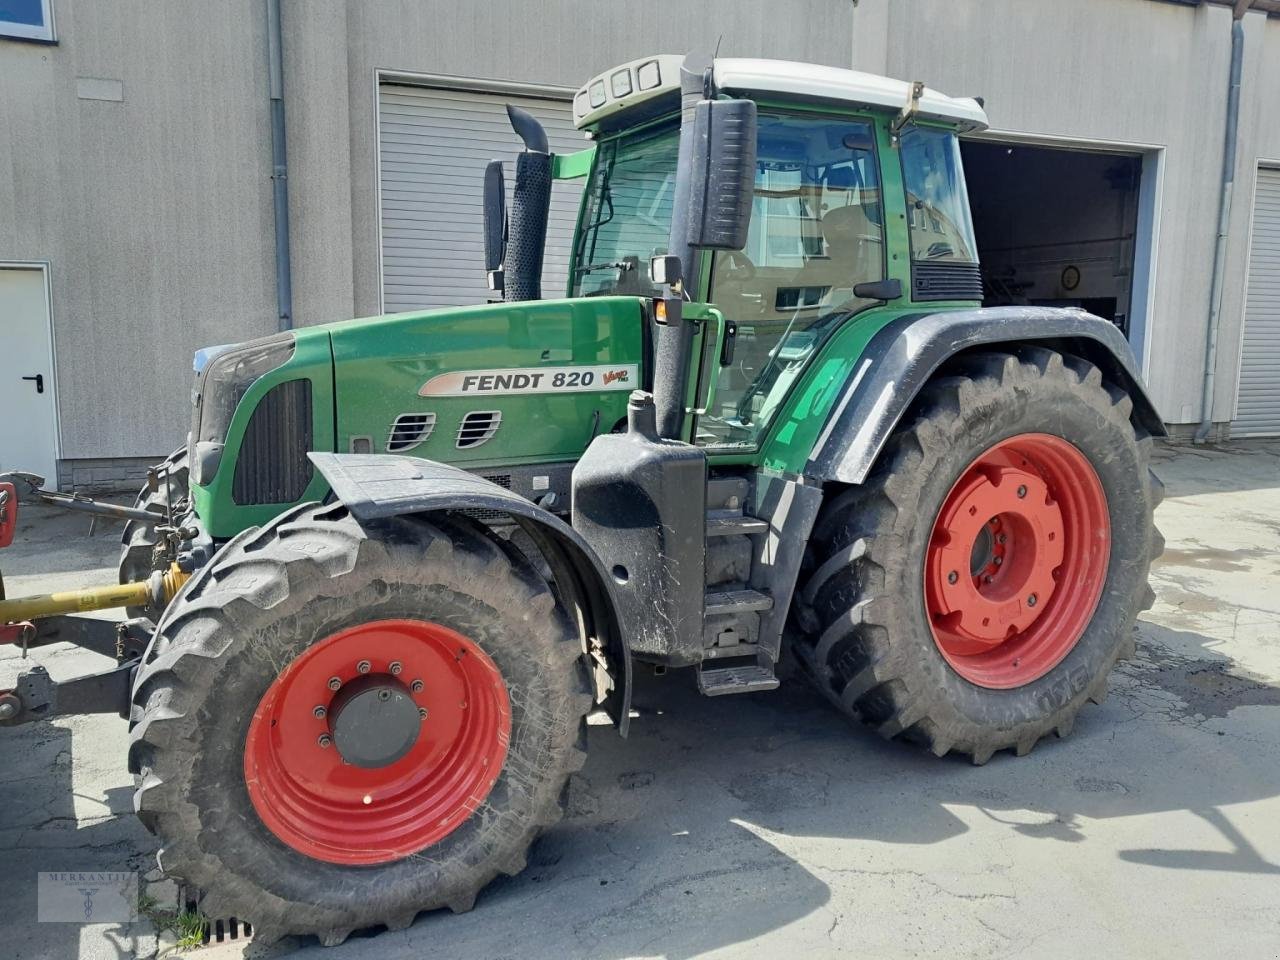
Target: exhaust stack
[(530, 201)]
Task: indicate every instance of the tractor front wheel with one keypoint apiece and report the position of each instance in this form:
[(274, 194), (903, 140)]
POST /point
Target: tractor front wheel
[(977, 589), (339, 726), (138, 540)]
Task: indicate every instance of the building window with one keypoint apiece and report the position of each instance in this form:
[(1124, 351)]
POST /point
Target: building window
[(27, 19)]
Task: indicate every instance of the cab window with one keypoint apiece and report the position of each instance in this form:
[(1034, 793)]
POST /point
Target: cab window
[(627, 215), (816, 231), (937, 204)]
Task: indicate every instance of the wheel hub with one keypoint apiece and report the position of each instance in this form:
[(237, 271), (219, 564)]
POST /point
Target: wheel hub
[(377, 741), (374, 721), (1016, 560), (1002, 525)]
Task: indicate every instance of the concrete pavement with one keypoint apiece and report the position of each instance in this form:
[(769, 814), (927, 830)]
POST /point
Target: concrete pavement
[(767, 826)]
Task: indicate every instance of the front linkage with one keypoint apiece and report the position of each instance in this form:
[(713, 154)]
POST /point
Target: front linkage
[(42, 619)]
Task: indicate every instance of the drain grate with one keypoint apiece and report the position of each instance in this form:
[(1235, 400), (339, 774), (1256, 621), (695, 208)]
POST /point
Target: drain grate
[(219, 929)]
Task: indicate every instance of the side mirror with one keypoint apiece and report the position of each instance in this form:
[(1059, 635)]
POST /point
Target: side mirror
[(723, 167), (495, 222)]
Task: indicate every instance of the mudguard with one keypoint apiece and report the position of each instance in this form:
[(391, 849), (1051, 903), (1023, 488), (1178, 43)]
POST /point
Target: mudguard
[(902, 357), (372, 486)]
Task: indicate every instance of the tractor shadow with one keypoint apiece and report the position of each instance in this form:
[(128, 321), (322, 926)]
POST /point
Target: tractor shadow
[(721, 820)]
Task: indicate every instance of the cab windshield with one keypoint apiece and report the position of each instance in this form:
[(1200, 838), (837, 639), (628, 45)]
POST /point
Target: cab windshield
[(627, 216)]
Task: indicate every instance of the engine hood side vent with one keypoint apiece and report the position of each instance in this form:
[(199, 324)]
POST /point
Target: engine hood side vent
[(478, 427), (409, 430)]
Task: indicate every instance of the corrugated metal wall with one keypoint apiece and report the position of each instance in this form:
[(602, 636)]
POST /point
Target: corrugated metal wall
[(1258, 403), (433, 146)]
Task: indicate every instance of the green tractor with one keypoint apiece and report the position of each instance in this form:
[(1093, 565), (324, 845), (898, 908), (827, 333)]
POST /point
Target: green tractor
[(402, 559)]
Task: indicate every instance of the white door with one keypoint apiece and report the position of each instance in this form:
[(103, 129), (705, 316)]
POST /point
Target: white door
[(433, 146), (1258, 402), (27, 419)]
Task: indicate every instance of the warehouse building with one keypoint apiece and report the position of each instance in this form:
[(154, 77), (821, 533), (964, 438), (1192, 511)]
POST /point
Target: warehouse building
[(138, 220)]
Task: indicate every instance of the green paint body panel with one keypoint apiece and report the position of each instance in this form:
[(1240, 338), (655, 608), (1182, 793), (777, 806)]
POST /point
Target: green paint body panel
[(367, 372), (312, 360), (380, 365)]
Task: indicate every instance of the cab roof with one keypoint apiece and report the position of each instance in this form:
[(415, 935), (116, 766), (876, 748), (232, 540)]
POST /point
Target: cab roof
[(651, 81)]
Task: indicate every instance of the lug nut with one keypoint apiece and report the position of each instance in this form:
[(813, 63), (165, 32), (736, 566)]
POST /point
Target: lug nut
[(1031, 600), (986, 579), (334, 683), (364, 666), (416, 686), (1002, 538), (324, 740), (1022, 492), (952, 577), (395, 668), (319, 712), (422, 712), (998, 560)]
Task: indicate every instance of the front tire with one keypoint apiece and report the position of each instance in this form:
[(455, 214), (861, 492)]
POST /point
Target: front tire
[(907, 620), (239, 738), (138, 540)]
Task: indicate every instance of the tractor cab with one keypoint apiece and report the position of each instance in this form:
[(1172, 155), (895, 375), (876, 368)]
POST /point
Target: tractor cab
[(849, 172)]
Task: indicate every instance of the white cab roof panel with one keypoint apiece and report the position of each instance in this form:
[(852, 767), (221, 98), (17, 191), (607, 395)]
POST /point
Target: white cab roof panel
[(650, 78), (809, 81)]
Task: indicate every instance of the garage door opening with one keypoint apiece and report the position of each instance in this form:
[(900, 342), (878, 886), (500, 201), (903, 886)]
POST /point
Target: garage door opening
[(1056, 227)]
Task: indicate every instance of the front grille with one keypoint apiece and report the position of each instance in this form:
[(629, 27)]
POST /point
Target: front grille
[(409, 430), (478, 427), (946, 280), (272, 464)]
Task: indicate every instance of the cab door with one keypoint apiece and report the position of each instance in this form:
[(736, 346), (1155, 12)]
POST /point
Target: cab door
[(817, 231)]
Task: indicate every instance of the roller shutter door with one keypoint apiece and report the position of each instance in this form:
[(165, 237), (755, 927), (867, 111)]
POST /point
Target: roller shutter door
[(433, 146), (1258, 400)]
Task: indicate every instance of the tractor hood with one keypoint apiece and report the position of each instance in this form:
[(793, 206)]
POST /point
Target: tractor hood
[(497, 384)]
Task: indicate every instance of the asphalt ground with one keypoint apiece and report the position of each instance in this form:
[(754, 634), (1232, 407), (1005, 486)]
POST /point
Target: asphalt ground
[(767, 825)]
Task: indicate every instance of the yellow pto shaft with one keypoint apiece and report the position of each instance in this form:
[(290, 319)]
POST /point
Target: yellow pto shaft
[(161, 586)]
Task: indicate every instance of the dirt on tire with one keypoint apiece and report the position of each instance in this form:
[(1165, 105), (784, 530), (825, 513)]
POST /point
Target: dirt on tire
[(860, 626), (269, 595)]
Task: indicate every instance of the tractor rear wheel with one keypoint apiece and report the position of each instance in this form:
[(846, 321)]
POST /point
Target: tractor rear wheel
[(978, 588), (339, 726), (138, 541)]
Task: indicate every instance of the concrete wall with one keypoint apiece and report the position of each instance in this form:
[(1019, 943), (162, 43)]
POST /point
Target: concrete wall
[(1124, 72), (559, 44), (1259, 144), (153, 211)]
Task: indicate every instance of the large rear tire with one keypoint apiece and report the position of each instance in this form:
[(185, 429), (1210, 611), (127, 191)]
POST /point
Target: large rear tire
[(245, 774), (975, 592)]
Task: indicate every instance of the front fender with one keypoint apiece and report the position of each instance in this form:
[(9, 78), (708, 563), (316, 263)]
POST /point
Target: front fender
[(902, 357), (374, 486)]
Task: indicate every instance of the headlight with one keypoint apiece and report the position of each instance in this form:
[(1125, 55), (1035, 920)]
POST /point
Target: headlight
[(220, 389)]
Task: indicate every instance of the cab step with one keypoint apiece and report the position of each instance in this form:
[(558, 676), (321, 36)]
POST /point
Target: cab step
[(720, 602), (719, 681)]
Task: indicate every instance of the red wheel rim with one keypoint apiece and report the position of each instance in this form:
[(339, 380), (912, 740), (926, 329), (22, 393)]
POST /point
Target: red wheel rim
[(1017, 560), (330, 809)]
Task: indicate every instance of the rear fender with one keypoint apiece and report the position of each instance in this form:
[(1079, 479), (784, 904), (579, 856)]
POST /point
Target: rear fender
[(374, 486), (902, 357)]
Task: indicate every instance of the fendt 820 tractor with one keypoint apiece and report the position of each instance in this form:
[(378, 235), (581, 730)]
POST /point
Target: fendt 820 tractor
[(401, 559)]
